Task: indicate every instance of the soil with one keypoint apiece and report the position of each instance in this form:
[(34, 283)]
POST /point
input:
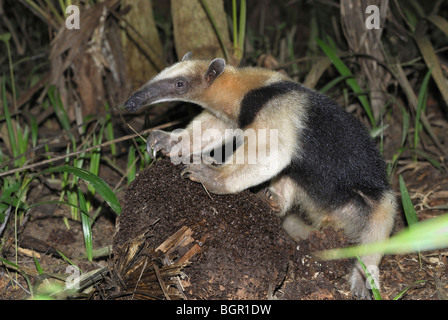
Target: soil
[(243, 252), (247, 255)]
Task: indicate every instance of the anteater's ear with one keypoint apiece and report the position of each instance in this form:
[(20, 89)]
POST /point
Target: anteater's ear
[(214, 70), (187, 56)]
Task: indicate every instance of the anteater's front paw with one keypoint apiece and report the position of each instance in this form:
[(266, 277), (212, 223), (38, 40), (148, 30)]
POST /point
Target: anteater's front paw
[(206, 174), (159, 140)]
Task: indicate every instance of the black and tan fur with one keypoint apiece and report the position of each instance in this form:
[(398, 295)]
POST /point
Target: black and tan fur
[(327, 167)]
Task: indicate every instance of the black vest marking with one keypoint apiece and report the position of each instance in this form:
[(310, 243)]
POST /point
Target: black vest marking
[(256, 99), (340, 161)]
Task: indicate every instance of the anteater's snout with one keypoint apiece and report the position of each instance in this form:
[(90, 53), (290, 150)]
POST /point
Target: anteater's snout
[(136, 101)]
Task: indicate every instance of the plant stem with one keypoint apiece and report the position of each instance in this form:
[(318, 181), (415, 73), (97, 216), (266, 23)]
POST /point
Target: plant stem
[(215, 27), (235, 26), (11, 71), (242, 30)]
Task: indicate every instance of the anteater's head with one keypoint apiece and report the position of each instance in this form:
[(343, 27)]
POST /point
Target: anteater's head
[(184, 81)]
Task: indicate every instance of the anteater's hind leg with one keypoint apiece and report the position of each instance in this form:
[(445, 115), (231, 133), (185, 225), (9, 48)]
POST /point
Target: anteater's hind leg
[(364, 224), (377, 226), (282, 195), (380, 226)]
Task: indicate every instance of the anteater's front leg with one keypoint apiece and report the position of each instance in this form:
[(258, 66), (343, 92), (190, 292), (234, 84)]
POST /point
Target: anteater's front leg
[(192, 140), (211, 177), (241, 171)]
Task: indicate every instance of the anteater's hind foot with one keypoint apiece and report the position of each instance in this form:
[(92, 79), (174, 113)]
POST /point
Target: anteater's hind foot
[(379, 227)]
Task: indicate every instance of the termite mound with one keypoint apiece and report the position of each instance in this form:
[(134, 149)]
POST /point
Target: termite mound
[(186, 243)]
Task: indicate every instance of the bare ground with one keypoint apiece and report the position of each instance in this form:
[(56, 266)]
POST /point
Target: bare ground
[(244, 252)]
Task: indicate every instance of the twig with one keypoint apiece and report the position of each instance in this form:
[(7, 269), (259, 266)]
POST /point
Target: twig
[(140, 136), (207, 191), (161, 282), (140, 276)]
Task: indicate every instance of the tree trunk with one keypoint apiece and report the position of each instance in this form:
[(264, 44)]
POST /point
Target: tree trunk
[(364, 41), (193, 30), (142, 47)]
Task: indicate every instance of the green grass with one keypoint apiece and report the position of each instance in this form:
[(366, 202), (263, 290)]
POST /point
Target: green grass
[(96, 182), (345, 72), (429, 234), (409, 210), (85, 166), (86, 153), (421, 106)]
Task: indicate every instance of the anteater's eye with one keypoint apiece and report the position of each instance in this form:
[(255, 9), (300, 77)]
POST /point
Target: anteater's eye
[(180, 83)]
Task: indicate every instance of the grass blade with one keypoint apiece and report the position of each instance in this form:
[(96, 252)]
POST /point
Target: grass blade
[(131, 164), (409, 210), (59, 110), (86, 225), (405, 131), (70, 262), (351, 82), (38, 266), (234, 25), (429, 158), (432, 61), (421, 105), (401, 77), (242, 28), (8, 120), (95, 157), (333, 83), (398, 296), (373, 285), (429, 234), (110, 131), (440, 22), (100, 186), (22, 142), (18, 269), (34, 130)]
